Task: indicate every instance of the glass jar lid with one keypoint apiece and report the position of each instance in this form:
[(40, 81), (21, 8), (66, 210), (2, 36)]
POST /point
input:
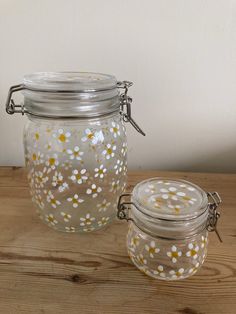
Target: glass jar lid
[(70, 94), (170, 199)]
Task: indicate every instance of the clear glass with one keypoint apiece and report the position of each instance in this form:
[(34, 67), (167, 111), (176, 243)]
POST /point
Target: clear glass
[(164, 258), (76, 170)]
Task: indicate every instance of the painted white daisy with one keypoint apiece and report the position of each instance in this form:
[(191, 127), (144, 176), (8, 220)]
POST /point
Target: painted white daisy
[(109, 152), (118, 166), (64, 186), (103, 206), (150, 188), (193, 250), (66, 216), (159, 271), (141, 259), (75, 200), (51, 220), (75, 153), (194, 269), (88, 229), (87, 220), (70, 229), (94, 190), (176, 208), (40, 179), (115, 186), (52, 161), (62, 136), (93, 136), (37, 158), (51, 199), (152, 249), (135, 241), (115, 129), (176, 274), (100, 172), (79, 176), (57, 178), (171, 193), (48, 146), (174, 254), (103, 221), (39, 201)]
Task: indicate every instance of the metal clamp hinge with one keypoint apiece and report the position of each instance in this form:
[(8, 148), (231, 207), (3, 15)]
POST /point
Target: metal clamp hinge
[(11, 107), (124, 207), (125, 104), (214, 215)]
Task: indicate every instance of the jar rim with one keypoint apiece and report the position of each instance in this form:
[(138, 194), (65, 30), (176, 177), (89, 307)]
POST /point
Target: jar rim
[(162, 213), (69, 81)]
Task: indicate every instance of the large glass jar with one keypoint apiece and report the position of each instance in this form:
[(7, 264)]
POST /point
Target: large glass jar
[(75, 147), (169, 222)]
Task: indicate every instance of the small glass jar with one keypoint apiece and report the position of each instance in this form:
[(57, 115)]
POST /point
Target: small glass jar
[(75, 146), (169, 221)]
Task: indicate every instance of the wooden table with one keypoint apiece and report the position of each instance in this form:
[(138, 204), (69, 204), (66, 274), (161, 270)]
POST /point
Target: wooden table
[(43, 271)]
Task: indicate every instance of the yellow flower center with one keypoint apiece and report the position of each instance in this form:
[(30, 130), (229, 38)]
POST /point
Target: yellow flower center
[(100, 171), (94, 190), (90, 135), (115, 130), (193, 252), (75, 153), (40, 179), (174, 254), (87, 220), (52, 161), (53, 201), (78, 176), (151, 250), (62, 138), (34, 156), (75, 201), (36, 136), (51, 219), (109, 151), (135, 241), (186, 198)]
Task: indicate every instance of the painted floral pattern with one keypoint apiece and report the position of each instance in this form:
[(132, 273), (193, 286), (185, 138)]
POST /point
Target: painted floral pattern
[(166, 259), (76, 171)]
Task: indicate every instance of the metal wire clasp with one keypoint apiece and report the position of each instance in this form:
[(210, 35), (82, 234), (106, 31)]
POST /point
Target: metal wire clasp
[(11, 107), (125, 103), (214, 215), (124, 207)]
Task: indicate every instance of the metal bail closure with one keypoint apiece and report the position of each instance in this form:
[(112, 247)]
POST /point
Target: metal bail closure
[(11, 107), (125, 103), (123, 207), (214, 215)]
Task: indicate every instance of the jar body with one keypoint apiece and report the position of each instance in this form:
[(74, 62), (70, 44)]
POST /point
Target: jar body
[(166, 259), (76, 170)]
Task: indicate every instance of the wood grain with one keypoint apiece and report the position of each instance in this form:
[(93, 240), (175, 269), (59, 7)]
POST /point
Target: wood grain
[(43, 271)]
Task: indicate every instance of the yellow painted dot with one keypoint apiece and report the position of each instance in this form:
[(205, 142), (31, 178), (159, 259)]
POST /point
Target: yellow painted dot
[(62, 138), (36, 136), (52, 161), (34, 157)]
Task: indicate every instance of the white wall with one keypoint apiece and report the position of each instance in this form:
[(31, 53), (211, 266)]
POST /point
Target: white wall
[(181, 54)]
